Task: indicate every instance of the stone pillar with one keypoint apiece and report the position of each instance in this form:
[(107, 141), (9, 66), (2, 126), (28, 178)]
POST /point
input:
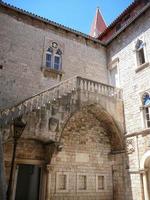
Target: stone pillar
[(2, 176), (48, 182), (145, 184)]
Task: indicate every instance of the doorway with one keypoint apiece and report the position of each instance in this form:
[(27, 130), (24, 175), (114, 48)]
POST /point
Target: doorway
[(28, 182)]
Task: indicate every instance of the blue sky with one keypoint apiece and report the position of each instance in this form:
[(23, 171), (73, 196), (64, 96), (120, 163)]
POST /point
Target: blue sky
[(76, 14)]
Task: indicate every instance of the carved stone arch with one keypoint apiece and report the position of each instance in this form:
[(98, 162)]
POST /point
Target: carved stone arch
[(144, 160), (106, 121)]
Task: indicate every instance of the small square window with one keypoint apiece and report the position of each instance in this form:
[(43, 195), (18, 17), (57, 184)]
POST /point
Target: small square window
[(118, 26), (127, 17)]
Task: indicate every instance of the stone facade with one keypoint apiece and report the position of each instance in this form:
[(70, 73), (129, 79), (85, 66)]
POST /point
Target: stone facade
[(87, 145), (23, 51), (85, 168), (134, 80)]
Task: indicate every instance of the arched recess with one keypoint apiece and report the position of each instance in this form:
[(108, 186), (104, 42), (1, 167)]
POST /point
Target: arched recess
[(106, 121), (145, 168), (89, 136)]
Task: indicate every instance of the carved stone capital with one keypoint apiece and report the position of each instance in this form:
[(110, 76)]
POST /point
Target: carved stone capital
[(49, 168)]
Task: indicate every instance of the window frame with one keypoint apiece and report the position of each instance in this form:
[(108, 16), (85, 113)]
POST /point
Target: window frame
[(140, 50), (78, 189), (114, 64), (97, 188), (55, 52), (145, 113), (57, 182), (51, 63), (60, 61), (140, 66)]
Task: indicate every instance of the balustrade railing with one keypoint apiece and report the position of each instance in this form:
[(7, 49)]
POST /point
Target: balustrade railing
[(99, 88), (58, 91)]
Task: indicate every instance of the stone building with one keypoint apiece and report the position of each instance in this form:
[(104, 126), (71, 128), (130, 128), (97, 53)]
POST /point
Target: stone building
[(85, 104)]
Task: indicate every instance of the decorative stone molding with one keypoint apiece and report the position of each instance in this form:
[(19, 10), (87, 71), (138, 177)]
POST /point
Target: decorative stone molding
[(62, 182), (53, 124), (143, 66), (49, 168), (100, 183), (52, 73), (130, 145), (82, 182)]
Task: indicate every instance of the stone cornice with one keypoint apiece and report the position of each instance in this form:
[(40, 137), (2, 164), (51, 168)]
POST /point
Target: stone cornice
[(141, 132)]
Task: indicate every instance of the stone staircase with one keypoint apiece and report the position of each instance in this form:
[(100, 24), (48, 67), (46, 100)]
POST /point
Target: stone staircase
[(69, 88), (51, 108)]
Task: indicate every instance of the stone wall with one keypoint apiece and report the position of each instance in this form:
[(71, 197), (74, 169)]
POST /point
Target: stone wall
[(133, 82), (24, 41), (137, 146), (85, 168), (77, 171)]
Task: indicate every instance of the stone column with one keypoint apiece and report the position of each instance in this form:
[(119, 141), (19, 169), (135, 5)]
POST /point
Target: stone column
[(146, 195), (48, 182), (2, 176)]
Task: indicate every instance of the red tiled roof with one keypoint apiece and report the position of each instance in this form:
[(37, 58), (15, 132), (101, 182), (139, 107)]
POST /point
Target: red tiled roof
[(119, 18)]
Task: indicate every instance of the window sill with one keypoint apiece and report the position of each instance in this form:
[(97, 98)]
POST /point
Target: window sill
[(52, 73), (143, 66)]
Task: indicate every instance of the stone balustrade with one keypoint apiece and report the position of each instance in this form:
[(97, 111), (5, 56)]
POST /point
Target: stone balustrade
[(69, 86)]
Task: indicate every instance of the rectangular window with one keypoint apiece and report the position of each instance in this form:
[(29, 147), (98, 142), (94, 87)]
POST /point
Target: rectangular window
[(57, 62), (114, 77), (62, 182), (48, 60), (147, 116), (141, 56), (100, 182), (82, 182)]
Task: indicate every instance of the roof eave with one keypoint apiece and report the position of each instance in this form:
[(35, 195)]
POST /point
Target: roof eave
[(52, 23), (128, 24)]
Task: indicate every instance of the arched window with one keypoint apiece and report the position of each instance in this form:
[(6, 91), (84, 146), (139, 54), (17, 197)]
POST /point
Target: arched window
[(140, 55), (54, 58), (57, 60), (49, 55), (146, 106)]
